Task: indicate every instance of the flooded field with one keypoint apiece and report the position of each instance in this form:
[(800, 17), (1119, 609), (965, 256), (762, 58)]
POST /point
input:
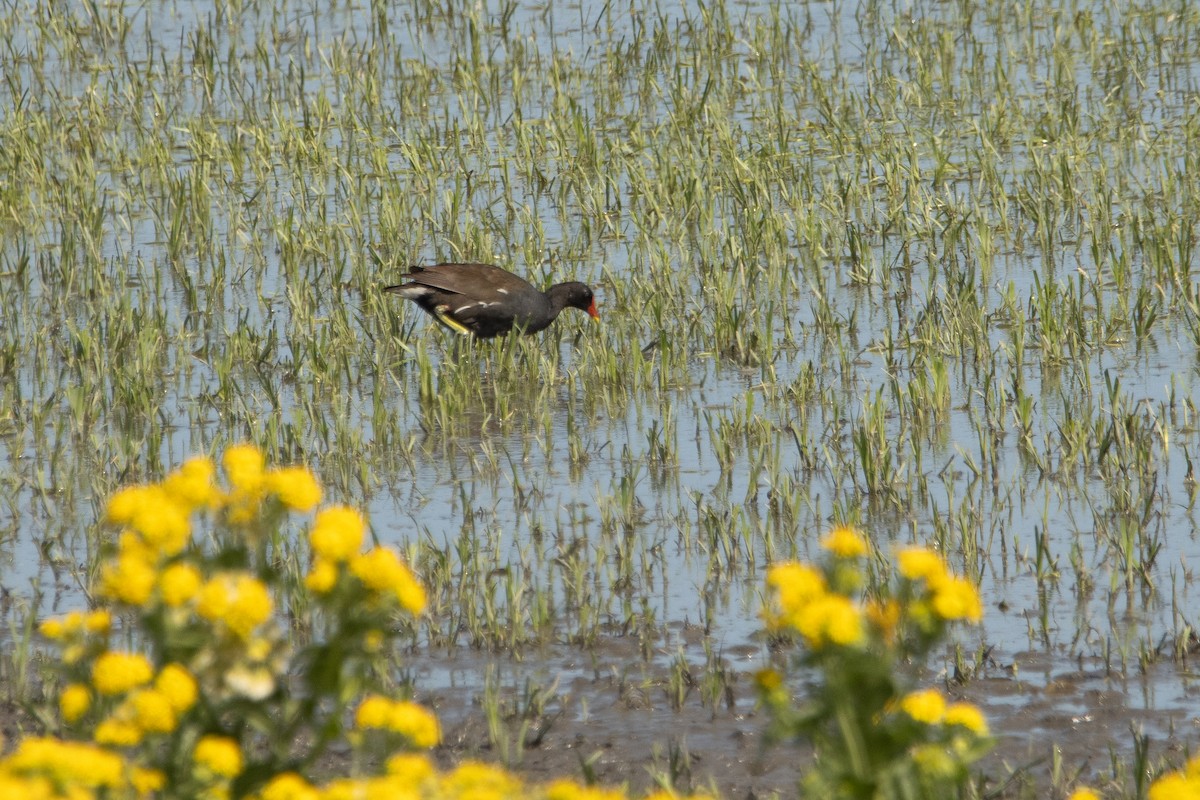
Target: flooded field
[(922, 268)]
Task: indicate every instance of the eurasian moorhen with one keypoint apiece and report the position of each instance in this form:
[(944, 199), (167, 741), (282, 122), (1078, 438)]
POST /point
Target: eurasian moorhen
[(488, 301)]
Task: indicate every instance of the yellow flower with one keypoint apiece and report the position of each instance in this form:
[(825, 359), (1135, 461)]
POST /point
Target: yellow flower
[(845, 542), (74, 701), (146, 781), (381, 570), (373, 712), (128, 579), (797, 584), (409, 592), (118, 732), (412, 768), (295, 487), (219, 755), (831, 618), (1174, 786), (927, 706), (99, 621), (178, 686), (191, 486), (956, 598), (322, 577), (53, 628), (66, 762), (237, 600), (162, 522), (117, 672), (179, 583), (288, 786), (567, 789), (244, 467), (921, 564), (933, 760), (477, 779), (337, 533), (153, 711), (1083, 793), (966, 716), (415, 723), (412, 721)]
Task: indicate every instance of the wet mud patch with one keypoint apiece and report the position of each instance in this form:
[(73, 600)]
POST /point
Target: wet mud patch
[(604, 714)]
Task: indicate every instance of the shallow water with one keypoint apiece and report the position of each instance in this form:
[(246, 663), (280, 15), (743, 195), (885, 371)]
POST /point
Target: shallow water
[(653, 536)]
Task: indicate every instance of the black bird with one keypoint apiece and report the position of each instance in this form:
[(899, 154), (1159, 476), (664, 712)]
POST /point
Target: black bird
[(486, 301)]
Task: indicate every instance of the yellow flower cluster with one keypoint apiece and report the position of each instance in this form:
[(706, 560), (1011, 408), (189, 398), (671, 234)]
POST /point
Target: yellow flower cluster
[(235, 600), (929, 706), (39, 767), (251, 482), (218, 756), (818, 605), (157, 525), (414, 722), (809, 606), (145, 710), (336, 538), (116, 672), (950, 597), (205, 601), (76, 624), (1183, 784)]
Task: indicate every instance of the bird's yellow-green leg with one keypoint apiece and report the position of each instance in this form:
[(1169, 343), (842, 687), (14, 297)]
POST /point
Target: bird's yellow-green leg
[(450, 322)]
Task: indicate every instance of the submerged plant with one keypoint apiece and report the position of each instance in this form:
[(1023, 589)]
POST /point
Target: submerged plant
[(876, 735)]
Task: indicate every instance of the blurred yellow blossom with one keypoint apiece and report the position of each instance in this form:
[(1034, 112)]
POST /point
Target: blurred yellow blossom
[(178, 685), (147, 781), (967, 716), (412, 768), (322, 577), (295, 487), (920, 564), (244, 466), (66, 762), (411, 720), (1083, 793), (237, 600), (191, 486), (927, 706), (219, 755), (382, 570), (289, 786), (477, 779), (153, 711), (337, 533), (128, 579), (118, 732), (74, 701), (179, 583), (154, 514), (845, 542), (117, 672), (956, 598), (832, 618)]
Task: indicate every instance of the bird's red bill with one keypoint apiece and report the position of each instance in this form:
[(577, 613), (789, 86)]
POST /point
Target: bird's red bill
[(591, 310)]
